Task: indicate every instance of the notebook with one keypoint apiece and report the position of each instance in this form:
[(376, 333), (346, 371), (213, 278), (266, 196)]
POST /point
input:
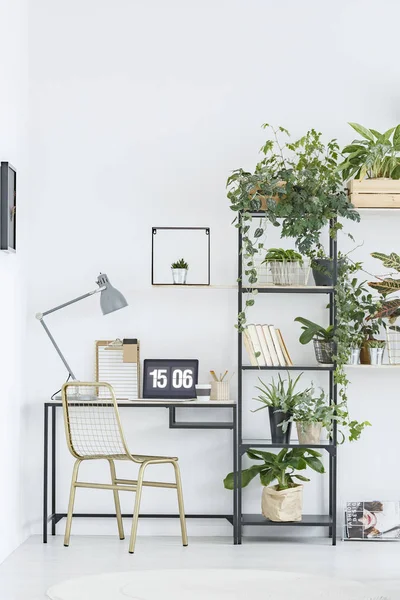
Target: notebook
[(118, 363)]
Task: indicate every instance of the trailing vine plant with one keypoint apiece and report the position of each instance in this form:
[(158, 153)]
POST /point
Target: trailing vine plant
[(355, 307), (296, 186)]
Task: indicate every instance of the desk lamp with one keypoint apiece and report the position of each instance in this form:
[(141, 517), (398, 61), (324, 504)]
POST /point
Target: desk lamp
[(110, 300)]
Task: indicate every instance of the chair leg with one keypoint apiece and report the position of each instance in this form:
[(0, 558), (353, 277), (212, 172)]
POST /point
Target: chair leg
[(71, 501), (180, 503), (137, 508), (116, 500)]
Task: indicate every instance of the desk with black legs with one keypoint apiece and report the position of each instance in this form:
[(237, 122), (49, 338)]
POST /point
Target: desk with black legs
[(50, 409)]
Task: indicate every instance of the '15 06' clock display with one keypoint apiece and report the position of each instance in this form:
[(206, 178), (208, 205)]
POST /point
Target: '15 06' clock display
[(170, 378)]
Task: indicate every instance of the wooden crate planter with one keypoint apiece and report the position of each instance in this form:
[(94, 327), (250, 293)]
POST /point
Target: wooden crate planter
[(375, 193)]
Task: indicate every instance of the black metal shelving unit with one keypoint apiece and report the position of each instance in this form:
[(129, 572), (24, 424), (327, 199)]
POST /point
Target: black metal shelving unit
[(327, 520)]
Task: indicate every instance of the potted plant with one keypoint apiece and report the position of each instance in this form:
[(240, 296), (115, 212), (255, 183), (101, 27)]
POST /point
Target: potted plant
[(357, 307), (323, 338), (389, 307), (282, 502), (374, 164), (376, 349), (311, 414), (286, 266), (179, 271), (322, 268), (280, 398)]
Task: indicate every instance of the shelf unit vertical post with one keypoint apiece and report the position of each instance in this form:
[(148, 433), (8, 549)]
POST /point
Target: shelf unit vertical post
[(238, 476), (333, 252)]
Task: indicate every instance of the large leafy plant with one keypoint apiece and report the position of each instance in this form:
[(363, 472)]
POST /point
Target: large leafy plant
[(390, 308), (279, 467), (375, 155), (296, 182)]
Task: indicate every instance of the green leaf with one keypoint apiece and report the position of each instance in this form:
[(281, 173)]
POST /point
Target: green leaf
[(379, 136), (301, 477), (267, 478), (356, 148), (387, 310), (298, 462), (388, 133), (268, 457), (363, 131), (396, 136), (315, 464), (247, 476), (386, 286), (390, 261)]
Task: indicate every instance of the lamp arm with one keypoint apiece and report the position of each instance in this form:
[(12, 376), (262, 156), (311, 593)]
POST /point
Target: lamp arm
[(40, 316), (48, 312), (60, 354)]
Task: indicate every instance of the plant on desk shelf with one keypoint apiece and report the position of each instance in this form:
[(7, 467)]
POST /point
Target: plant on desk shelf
[(179, 271), (280, 399), (282, 502)]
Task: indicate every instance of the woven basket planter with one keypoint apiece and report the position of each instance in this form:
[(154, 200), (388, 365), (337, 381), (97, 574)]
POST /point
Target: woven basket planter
[(324, 351)]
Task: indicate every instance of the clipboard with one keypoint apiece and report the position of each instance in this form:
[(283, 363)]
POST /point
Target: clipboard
[(118, 363)]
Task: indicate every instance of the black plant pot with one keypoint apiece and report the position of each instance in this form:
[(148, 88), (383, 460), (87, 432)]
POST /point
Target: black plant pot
[(322, 269), (276, 417)]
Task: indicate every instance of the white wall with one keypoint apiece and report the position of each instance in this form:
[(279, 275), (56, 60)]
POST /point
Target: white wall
[(139, 111), (13, 145)]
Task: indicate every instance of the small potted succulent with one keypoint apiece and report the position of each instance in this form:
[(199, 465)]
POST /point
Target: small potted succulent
[(323, 338), (287, 267), (376, 349), (282, 502), (280, 399), (179, 271)]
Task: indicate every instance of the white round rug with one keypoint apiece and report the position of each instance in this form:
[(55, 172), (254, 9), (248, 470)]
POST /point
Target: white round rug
[(211, 584)]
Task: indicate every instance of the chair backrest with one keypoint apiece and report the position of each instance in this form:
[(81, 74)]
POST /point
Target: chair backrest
[(92, 422)]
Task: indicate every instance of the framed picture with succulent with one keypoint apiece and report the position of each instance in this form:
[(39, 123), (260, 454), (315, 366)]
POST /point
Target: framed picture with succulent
[(180, 256), (8, 207)]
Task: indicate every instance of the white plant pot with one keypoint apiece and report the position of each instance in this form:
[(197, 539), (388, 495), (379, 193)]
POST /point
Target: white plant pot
[(309, 433), (179, 276), (354, 357), (282, 506), (376, 355)]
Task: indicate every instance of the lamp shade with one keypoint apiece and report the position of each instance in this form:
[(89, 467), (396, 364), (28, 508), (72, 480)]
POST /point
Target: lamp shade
[(111, 299)]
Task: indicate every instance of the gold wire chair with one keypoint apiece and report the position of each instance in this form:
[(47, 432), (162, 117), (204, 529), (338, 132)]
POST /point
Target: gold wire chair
[(94, 432)]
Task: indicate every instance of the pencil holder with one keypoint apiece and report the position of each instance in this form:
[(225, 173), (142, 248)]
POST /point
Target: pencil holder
[(220, 390)]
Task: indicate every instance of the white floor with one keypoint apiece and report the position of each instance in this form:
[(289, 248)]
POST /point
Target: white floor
[(34, 567)]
